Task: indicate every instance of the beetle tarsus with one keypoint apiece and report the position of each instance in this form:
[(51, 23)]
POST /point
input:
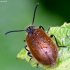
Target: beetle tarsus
[(37, 65), (30, 58)]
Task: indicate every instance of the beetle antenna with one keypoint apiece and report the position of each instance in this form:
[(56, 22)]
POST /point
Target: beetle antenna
[(34, 13), (14, 31), (32, 21)]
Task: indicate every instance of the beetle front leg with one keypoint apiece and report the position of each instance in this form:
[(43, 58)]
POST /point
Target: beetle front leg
[(41, 27)]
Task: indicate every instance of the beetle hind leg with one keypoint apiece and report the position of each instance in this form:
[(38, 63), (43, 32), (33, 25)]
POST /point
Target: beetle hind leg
[(56, 40)]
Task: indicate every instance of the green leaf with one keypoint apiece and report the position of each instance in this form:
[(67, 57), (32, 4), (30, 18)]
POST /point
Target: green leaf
[(62, 35)]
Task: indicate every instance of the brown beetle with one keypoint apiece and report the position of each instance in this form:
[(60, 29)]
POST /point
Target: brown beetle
[(41, 46)]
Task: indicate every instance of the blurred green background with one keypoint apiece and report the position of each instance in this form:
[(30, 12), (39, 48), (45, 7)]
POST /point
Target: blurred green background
[(17, 14)]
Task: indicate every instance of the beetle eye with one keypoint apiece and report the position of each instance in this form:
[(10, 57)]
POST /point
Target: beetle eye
[(29, 29)]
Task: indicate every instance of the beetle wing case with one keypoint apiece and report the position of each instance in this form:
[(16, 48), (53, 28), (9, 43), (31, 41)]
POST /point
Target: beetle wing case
[(41, 46)]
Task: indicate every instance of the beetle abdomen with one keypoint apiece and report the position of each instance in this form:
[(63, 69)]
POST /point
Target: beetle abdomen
[(41, 46)]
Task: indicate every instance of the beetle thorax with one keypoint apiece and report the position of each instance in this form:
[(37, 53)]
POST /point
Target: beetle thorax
[(30, 29)]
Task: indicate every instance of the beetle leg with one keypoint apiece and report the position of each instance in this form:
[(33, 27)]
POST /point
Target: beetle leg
[(24, 40), (26, 48), (37, 65), (28, 53), (56, 40), (41, 27), (48, 29)]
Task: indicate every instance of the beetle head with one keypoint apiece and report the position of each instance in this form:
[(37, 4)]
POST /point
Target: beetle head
[(30, 29)]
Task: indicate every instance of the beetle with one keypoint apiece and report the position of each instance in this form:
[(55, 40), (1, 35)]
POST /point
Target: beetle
[(40, 44)]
